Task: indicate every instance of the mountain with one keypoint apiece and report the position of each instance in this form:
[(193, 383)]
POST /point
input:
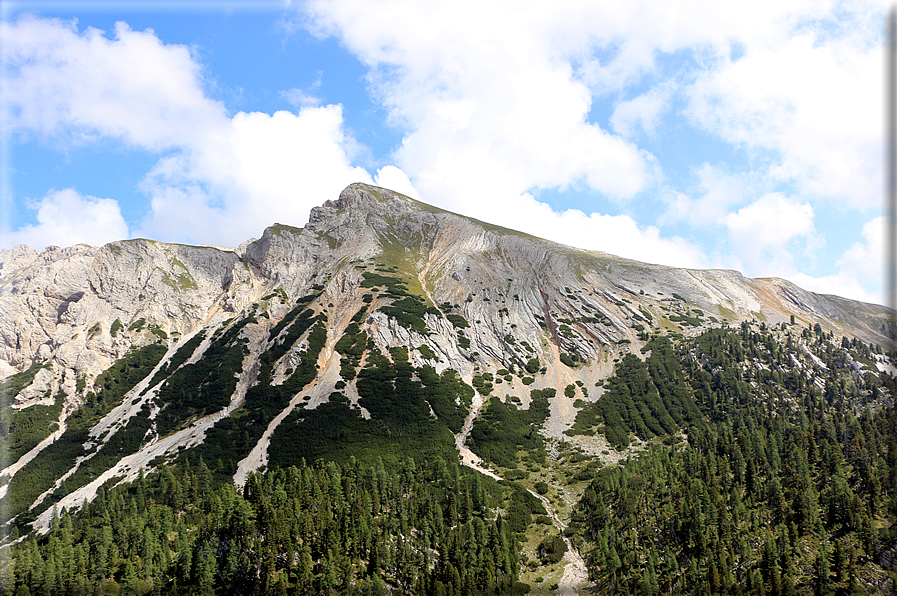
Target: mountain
[(386, 329)]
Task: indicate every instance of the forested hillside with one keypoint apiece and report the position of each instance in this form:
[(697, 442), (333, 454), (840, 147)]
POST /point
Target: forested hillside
[(746, 472), (786, 485), (323, 529)]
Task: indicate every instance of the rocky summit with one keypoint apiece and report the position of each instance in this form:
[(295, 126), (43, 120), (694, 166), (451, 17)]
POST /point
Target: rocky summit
[(385, 328)]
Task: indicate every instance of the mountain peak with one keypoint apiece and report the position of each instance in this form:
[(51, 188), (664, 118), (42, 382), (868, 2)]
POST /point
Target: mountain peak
[(366, 196)]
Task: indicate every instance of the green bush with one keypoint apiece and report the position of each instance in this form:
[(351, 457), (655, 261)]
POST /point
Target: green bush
[(552, 549)]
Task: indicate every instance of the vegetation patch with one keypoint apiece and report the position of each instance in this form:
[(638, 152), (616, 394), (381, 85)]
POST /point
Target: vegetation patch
[(22, 429), (40, 473), (650, 398), (400, 424), (116, 327), (351, 347), (458, 321), (501, 429)]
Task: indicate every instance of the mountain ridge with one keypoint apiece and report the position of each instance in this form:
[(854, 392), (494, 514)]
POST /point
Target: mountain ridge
[(387, 328), (72, 313)]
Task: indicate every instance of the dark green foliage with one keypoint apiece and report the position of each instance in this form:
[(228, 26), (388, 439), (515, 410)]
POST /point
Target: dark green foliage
[(12, 385), (552, 549), (329, 528), (205, 386), (409, 312), (426, 352), (532, 366), (482, 384), (458, 321), (693, 321), (570, 391), (502, 429), (648, 399), (359, 316), (137, 325), (116, 327), (180, 357), (394, 285), (463, 341), (124, 442), (568, 360), (351, 347), (41, 472), (400, 423), (22, 429), (232, 438), (775, 493), (300, 309)]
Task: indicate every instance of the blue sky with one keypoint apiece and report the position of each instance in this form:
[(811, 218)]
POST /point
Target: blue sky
[(694, 133)]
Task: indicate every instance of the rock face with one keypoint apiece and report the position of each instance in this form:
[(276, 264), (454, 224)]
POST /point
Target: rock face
[(474, 298)]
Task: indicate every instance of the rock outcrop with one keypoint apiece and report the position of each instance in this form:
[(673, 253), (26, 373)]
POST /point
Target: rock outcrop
[(477, 298)]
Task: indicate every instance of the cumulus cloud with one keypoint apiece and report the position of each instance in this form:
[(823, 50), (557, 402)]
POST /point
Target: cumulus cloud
[(395, 179), (261, 169), (492, 109), (499, 105), (815, 102), (77, 87), (65, 217), (222, 178), (762, 233), (497, 88)]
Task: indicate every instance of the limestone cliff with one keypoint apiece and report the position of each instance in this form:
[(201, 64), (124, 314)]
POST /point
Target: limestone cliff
[(375, 267)]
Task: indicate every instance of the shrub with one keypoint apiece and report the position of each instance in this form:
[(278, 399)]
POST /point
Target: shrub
[(552, 549)]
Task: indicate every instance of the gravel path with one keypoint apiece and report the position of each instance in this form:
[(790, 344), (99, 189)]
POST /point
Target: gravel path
[(575, 572)]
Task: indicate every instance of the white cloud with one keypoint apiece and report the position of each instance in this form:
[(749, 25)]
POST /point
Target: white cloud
[(815, 102), (395, 179), (843, 284), (497, 105), (762, 232), (65, 217), (718, 191), (260, 169), (481, 97), (76, 87), (223, 178), (859, 270), (863, 260), (642, 112), (300, 99), (615, 234)]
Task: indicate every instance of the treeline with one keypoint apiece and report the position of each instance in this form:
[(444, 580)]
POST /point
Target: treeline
[(322, 529), (785, 488)]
